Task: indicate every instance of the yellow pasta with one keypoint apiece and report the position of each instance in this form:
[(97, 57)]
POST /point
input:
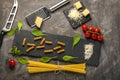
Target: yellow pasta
[(36, 67), (48, 51), (37, 38), (48, 42), (29, 49), (61, 51), (57, 47), (30, 44), (42, 41), (61, 43), (40, 47), (24, 41)]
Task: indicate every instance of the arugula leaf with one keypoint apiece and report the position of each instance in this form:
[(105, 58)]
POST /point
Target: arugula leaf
[(11, 32), (76, 40), (68, 58), (15, 51), (37, 32), (23, 61), (46, 59), (19, 25)]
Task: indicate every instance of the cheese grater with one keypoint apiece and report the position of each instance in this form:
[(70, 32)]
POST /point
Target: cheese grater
[(43, 12)]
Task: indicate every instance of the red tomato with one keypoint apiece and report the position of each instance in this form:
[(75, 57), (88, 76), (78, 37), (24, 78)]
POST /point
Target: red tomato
[(91, 28), (94, 36), (12, 63), (100, 38), (97, 30), (87, 34), (84, 27)]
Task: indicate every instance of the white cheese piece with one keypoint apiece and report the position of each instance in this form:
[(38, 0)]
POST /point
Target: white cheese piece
[(78, 5), (88, 51), (85, 12), (74, 14), (38, 21)]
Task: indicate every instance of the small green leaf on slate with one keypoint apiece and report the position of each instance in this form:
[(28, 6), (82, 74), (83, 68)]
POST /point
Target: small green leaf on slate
[(46, 59), (36, 32), (15, 51), (76, 40), (11, 32), (68, 58), (19, 24), (23, 61)]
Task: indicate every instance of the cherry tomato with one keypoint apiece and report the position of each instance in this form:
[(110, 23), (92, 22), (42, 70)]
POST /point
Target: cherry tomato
[(97, 30), (100, 38), (91, 28), (87, 34), (12, 63), (94, 36), (84, 27)]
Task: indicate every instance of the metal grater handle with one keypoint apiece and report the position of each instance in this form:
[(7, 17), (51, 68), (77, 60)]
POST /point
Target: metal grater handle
[(11, 17), (58, 5)]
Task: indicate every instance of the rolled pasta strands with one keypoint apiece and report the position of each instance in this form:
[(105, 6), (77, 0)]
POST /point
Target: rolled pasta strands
[(30, 44), (24, 41), (38, 69), (48, 42), (57, 47), (37, 38), (42, 41), (61, 43), (35, 67), (61, 51), (40, 47), (29, 49), (48, 51)]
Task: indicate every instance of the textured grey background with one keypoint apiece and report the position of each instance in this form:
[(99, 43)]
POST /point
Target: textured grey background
[(105, 14)]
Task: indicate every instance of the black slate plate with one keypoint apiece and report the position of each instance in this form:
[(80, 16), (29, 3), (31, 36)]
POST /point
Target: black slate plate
[(79, 22), (77, 51)]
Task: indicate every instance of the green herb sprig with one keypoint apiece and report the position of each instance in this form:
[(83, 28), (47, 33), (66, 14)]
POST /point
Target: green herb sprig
[(15, 51)]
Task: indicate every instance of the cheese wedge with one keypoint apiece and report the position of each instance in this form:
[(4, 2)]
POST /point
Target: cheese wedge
[(78, 5), (85, 12), (38, 21)]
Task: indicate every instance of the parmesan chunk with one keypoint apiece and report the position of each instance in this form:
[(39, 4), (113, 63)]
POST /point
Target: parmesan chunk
[(78, 5), (38, 21), (85, 12)]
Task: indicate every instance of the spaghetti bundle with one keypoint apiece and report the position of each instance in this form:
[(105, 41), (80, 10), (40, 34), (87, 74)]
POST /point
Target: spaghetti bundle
[(36, 67)]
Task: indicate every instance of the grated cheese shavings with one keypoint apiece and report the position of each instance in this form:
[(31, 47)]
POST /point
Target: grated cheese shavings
[(74, 14)]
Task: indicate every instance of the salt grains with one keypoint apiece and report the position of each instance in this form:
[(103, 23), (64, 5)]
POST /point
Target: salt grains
[(88, 51)]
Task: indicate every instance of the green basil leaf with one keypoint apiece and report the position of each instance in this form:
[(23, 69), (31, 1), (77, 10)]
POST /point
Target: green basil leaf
[(46, 59), (19, 24), (11, 32), (68, 58), (76, 40), (23, 61), (36, 32)]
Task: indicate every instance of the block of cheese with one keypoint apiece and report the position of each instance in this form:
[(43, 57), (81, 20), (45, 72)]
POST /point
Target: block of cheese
[(78, 5), (85, 12), (38, 21)]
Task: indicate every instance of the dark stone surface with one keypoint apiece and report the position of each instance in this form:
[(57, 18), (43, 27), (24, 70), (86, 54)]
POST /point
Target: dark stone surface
[(105, 14)]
